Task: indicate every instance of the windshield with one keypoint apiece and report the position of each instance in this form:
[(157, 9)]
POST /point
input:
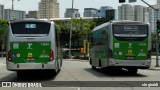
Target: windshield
[(130, 30), (30, 28)]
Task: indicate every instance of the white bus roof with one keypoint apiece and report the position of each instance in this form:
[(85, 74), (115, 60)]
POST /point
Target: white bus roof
[(118, 22)]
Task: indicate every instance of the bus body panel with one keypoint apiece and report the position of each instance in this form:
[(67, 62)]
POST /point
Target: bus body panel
[(33, 52), (30, 52), (141, 64), (131, 50), (99, 51)]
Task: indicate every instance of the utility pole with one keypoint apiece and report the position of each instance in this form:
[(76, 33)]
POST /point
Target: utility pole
[(13, 4), (70, 39)]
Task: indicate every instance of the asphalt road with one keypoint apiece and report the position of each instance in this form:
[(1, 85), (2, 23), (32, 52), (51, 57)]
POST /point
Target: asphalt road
[(75, 71)]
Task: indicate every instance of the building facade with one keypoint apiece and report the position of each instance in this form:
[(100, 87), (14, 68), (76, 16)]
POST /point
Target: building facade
[(153, 17), (48, 9), (71, 13), (1, 11), (125, 12), (32, 14), (14, 14), (158, 1), (146, 14), (102, 11), (138, 13), (90, 12)]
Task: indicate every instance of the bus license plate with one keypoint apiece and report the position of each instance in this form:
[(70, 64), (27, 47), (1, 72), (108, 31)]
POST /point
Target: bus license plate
[(130, 58), (30, 59)]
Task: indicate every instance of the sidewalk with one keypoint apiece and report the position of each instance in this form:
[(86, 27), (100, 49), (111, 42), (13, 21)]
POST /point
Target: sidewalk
[(154, 57), (153, 63), (2, 60)]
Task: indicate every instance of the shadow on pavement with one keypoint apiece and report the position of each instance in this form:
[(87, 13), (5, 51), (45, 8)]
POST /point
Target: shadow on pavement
[(32, 76), (115, 73)]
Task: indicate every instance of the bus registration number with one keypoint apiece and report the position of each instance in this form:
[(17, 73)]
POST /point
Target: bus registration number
[(130, 57)]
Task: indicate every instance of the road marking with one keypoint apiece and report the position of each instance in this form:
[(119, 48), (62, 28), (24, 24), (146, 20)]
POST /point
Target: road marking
[(78, 88)]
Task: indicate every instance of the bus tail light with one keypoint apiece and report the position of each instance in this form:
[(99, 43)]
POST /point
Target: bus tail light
[(9, 56), (110, 53), (149, 54), (51, 55)]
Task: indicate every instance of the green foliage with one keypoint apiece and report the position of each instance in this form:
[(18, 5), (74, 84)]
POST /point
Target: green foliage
[(154, 38), (3, 27), (99, 21), (81, 30), (3, 24)]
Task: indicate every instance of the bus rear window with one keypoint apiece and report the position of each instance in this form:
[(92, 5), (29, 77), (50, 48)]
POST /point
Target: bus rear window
[(130, 30), (30, 28)]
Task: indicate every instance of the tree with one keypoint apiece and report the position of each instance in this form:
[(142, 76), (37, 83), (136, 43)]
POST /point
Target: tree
[(82, 29), (3, 28)]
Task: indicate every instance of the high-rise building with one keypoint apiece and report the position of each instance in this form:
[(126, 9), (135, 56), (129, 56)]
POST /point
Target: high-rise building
[(153, 17), (146, 14), (49, 9), (32, 14), (111, 14), (1, 11), (138, 13), (14, 14), (71, 13), (102, 11), (158, 1), (90, 12), (125, 12), (107, 12)]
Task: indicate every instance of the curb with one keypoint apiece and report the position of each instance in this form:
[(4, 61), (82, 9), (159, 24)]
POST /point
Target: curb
[(157, 69)]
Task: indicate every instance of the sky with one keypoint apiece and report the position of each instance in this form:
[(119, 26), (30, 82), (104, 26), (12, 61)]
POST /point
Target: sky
[(28, 5)]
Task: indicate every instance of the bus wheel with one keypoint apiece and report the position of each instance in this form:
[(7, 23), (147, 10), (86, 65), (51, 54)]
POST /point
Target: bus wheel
[(93, 67), (90, 61), (132, 70), (52, 73), (100, 64), (20, 74)]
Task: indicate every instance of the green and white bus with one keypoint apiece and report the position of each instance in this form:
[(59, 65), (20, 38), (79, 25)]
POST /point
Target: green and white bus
[(33, 45), (121, 44)]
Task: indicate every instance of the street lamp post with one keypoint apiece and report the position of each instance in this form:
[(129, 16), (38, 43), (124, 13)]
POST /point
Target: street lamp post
[(13, 4), (157, 44), (70, 39)]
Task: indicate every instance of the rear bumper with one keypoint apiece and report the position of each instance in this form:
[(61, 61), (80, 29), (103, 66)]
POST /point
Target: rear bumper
[(141, 64), (30, 66)]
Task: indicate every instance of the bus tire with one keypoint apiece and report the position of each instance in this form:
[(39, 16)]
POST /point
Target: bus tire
[(93, 67), (58, 66), (100, 64), (52, 73), (132, 70), (90, 61), (61, 62), (20, 74)]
